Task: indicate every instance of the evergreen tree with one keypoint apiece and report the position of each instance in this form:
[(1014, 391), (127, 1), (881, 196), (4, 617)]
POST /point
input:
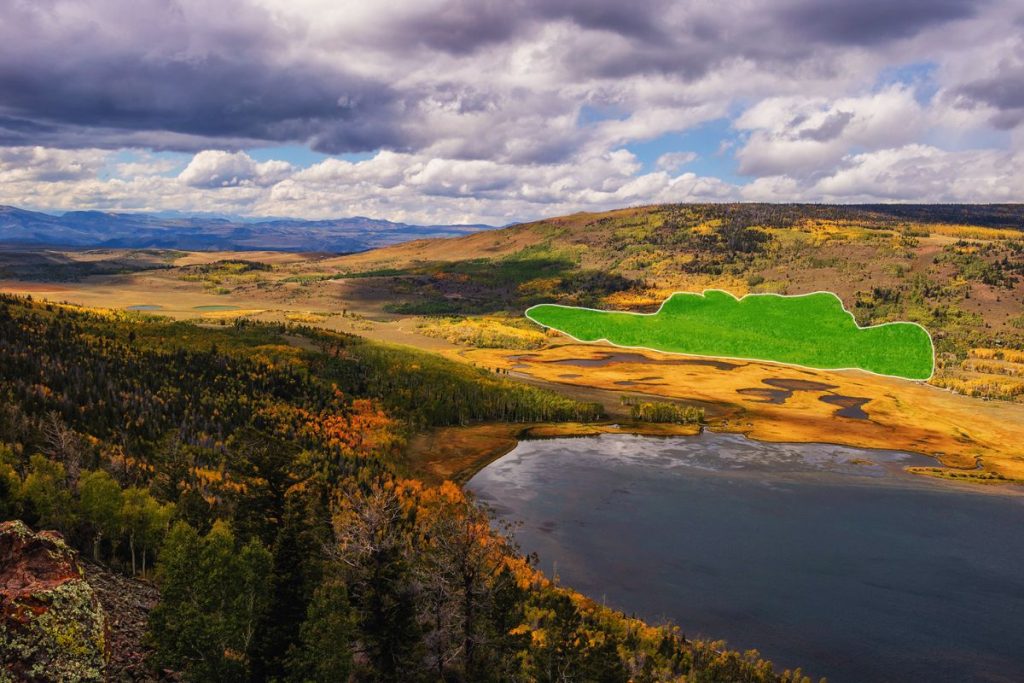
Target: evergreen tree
[(299, 553), (324, 653), (213, 595), (10, 485), (373, 533)]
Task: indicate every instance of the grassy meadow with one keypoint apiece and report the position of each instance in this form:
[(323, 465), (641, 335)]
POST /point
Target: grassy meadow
[(812, 330)]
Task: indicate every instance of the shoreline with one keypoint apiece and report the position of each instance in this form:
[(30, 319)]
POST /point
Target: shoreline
[(441, 453), (492, 441)]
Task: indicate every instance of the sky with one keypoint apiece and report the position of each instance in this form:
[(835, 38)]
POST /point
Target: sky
[(497, 111)]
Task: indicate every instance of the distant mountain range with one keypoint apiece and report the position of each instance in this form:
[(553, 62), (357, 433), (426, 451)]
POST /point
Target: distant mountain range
[(97, 229)]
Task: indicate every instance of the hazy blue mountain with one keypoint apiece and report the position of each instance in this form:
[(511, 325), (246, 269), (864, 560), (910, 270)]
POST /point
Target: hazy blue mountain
[(93, 229)]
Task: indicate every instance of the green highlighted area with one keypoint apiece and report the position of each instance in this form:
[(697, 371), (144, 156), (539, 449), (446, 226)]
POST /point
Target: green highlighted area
[(812, 330)]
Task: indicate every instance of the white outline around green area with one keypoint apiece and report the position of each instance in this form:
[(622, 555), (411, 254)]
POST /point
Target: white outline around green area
[(931, 341)]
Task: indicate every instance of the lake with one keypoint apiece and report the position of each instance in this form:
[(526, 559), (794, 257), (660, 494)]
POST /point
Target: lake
[(820, 556)]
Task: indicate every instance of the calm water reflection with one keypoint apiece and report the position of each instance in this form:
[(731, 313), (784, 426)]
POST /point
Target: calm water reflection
[(822, 556)]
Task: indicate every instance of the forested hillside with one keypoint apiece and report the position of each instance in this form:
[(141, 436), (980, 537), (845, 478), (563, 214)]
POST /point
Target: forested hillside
[(253, 472)]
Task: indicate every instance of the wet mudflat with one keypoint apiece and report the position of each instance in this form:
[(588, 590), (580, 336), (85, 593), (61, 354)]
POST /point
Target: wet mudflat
[(604, 359), (821, 556), (849, 406), (783, 389)]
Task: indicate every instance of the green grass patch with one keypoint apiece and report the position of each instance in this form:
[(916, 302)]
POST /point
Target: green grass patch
[(812, 330)]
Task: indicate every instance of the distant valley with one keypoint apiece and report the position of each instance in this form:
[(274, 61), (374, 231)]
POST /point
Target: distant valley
[(98, 229)]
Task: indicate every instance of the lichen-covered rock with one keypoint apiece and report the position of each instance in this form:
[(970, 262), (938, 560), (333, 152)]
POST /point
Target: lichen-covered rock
[(52, 626)]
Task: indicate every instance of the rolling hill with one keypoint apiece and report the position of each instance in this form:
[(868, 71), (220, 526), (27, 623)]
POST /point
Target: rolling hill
[(956, 270), (600, 237)]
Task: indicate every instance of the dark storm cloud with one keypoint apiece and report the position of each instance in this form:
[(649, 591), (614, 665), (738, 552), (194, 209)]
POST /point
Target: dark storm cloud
[(149, 70), (175, 74), (55, 77), (870, 22), (1004, 92), (831, 128), (465, 26), (211, 97), (776, 35), (640, 19)]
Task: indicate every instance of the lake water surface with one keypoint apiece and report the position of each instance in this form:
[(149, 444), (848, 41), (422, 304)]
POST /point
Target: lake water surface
[(820, 556)]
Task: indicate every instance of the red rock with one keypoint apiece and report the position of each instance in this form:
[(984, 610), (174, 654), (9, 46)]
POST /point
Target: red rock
[(52, 625)]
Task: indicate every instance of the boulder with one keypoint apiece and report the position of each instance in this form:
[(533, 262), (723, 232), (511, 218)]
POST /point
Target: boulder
[(52, 626)]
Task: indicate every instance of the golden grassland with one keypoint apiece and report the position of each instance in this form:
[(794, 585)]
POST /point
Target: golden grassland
[(954, 428), (457, 453), (961, 432), (484, 333)]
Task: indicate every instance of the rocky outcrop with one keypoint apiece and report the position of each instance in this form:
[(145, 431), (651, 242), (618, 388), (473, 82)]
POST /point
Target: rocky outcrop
[(52, 626)]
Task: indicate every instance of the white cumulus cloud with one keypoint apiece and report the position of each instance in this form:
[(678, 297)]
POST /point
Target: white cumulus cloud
[(216, 168)]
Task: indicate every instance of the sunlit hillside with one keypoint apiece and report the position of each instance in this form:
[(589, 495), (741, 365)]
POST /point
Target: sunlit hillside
[(963, 281)]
